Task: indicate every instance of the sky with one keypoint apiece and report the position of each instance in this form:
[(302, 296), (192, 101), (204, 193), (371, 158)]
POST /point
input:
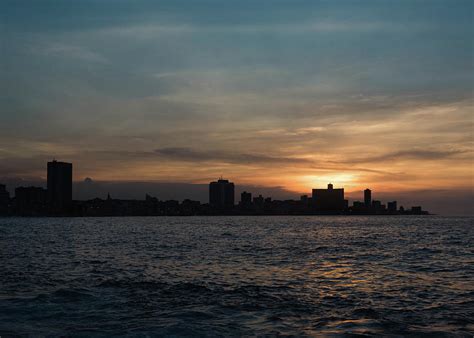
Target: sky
[(281, 96)]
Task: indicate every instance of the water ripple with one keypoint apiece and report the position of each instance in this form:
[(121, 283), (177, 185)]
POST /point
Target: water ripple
[(234, 276)]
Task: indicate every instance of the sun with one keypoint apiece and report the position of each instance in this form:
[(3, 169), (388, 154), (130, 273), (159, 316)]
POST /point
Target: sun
[(342, 180)]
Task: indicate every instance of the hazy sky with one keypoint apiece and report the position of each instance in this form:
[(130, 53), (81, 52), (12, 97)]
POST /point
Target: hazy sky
[(275, 93)]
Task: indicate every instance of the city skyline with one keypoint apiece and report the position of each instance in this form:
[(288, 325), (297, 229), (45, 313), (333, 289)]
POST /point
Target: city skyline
[(283, 97), (56, 200), (438, 201)]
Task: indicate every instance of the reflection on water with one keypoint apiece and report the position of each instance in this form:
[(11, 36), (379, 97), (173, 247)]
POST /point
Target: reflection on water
[(237, 276)]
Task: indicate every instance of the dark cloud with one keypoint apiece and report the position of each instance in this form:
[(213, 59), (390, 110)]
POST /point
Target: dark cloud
[(416, 154), (189, 154), (23, 167)]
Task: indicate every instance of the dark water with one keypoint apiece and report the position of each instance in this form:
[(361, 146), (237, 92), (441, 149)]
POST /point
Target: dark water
[(231, 276)]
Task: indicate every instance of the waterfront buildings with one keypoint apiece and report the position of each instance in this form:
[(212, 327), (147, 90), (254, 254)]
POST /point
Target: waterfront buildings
[(57, 201), (30, 201)]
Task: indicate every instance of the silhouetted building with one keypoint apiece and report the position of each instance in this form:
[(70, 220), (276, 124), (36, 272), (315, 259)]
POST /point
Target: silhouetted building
[(378, 207), (60, 187), (30, 201), (189, 207), (245, 199), (358, 207), (221, 194), (258, 202), (57, 200), (4, 194), (368, 197), (4, 200), (392, 207), (376, 204), (329, 200)]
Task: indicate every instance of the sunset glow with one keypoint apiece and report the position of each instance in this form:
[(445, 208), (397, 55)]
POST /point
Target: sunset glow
[(292, 99)]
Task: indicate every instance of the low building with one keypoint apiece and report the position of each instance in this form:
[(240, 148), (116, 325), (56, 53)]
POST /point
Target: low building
[(392, 207), (30, 201), (329, 200), (4, 200), (245, 200)]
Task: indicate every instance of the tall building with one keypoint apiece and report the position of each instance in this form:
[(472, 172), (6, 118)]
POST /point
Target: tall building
[(368, 197), (221, 194), (60, 187), (329, 200)]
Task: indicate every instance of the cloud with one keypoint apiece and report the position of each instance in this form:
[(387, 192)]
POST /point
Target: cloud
[(72, 51), (415, 154), (147, 31), (189, 154), (310, 25)]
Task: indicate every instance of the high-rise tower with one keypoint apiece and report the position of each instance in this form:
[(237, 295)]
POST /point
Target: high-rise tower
[(221, 194), (368, 197), (60, 187)]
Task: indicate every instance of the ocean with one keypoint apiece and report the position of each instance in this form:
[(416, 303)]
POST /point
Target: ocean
[(237, 276)]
